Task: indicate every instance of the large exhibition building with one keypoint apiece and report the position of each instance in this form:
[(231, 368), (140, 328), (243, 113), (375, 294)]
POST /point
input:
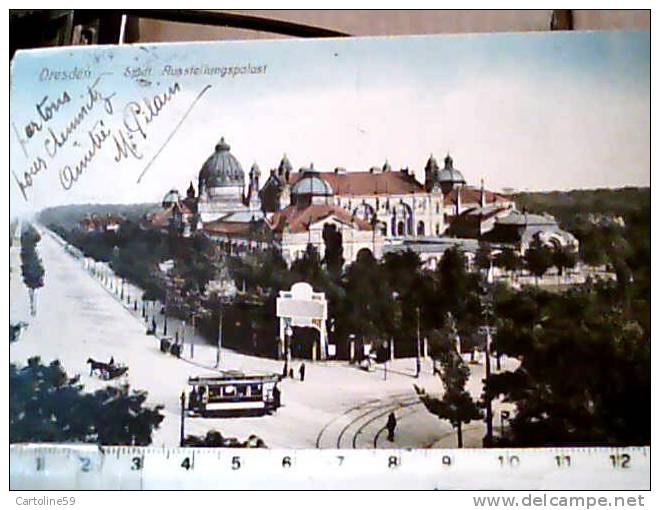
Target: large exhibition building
[(380, 210)]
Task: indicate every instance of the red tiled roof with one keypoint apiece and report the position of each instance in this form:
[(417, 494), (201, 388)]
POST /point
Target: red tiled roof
[(473, 196), (228, 228), (299, 220), (159, 218), (185, 209), (98, 222), (367, 183)]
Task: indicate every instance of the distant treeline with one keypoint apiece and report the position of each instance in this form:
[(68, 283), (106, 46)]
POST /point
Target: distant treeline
[(631, 203), (68, 216)]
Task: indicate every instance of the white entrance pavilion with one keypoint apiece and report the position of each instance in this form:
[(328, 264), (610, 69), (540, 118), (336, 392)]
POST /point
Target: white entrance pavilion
[(302, 307)]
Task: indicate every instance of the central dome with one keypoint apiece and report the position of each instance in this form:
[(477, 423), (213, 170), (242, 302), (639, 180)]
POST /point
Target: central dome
[(449, 177), (221, 169), (311, 183)]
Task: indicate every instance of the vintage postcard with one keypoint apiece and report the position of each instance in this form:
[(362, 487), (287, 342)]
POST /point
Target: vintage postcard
[(435, 242)]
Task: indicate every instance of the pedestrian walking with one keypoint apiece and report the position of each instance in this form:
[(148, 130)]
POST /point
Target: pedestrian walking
[(391, 426), (301, 371), (291, 373), (277, 397)]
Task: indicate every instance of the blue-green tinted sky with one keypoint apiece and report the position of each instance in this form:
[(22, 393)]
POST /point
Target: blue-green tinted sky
[(529, 111)]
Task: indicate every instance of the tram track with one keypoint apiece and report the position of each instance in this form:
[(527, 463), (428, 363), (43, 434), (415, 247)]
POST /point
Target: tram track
[(399, 417), (402, 405), (380, 412), (354, 420)]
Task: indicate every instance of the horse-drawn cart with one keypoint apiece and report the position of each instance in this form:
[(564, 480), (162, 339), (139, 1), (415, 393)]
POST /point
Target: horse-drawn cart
[(169, 346), (106, 371)]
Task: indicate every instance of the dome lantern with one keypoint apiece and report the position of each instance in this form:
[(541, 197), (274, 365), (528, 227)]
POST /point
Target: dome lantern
[(221, 169)]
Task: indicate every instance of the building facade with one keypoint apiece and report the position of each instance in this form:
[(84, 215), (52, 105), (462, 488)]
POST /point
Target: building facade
[(380, 210)]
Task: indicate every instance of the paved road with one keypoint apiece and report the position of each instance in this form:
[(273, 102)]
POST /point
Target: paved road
[(337, 406)]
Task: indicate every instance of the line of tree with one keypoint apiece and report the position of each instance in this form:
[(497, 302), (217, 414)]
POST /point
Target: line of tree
[(31, 267), (537, 259)]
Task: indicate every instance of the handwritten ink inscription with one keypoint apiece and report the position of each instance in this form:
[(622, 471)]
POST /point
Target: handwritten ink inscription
[(78, 128), (137, 117), (120, 129)]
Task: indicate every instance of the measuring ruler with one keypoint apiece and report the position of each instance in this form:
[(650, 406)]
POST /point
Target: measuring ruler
[(68, 467)]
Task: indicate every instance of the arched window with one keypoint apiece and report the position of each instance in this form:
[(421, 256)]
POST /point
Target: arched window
[(393, 227), (401, 228), (420, 228)]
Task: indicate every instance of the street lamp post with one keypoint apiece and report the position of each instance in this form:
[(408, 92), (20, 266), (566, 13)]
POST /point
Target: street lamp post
[(167, 294), (487, 306), (192, 336), (418, 362), (504, 416), (351, 347), (289, 337), (488, 442), (183, 417), (219, 346)]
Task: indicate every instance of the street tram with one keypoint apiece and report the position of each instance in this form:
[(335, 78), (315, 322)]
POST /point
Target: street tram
[(233, 392)]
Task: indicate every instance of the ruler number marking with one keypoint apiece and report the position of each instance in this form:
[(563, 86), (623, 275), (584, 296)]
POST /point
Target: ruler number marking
[(85, 464), (40, 463), (186, 464), (236, 463), (341, 459), (136, 463), (563, 461), (446, 460), (393, 462), (286, 462), (509, 461), (620, 460)]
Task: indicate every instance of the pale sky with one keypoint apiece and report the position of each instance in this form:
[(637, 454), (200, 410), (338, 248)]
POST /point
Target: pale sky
[(537, 111)]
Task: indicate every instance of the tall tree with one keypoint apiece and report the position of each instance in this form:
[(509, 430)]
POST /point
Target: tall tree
[(456, 404), (334, 249), (453, 280), (31, 266), (563, 257), (538, 259), (508, 259), (483, 258), (372, 318), (308, 267)]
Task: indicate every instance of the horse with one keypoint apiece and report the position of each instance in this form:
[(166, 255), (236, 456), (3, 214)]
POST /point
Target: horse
[(97, 365)]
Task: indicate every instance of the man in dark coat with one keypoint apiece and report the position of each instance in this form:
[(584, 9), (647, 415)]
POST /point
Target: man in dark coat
[(391, 426), (301, 370), (277, 397)]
